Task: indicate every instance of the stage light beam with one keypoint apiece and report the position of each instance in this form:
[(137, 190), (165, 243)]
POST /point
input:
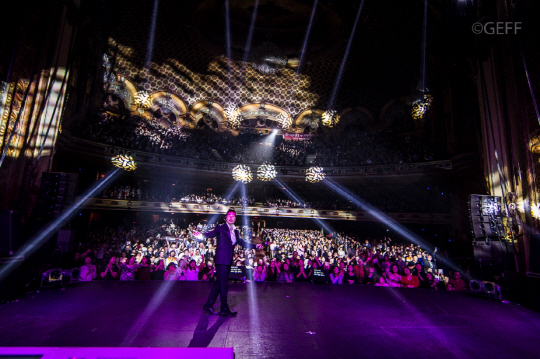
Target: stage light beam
[(35, 243), (344, 60), (228, 196), (286, 190), (381, 217)]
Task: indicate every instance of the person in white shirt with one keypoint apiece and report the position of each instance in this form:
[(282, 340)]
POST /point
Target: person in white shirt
[(87, 271)]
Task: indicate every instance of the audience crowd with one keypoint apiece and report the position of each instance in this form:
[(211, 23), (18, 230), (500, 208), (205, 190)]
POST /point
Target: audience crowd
[(390, 202), (163, 251), (350, 149)]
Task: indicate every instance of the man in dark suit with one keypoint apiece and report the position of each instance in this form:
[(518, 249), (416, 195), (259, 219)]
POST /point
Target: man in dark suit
[(227, 237)]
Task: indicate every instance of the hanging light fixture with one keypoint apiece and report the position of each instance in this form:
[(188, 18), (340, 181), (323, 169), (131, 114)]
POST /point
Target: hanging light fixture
[(315, 174), (242, 174), (421, 105), (142, 100), (233, 115), (124, 162), (330, 118), (266, 172)]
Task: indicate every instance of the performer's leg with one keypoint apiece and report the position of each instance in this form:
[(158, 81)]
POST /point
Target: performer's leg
[(223, 280), (215, 289)]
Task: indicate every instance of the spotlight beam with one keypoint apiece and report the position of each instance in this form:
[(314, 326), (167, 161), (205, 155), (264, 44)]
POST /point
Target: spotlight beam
[(306, 39), (228, 196), (150, 48), (36, 242), (227, 30), (250, 34), (344, 61), (245, 221), (149, 311), (383, 218), (424, 46), (285, 189)]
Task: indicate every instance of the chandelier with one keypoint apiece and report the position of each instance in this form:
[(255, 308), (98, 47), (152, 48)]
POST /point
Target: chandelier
[(124, 162), (242, 174), (266, 172), (315, 174)]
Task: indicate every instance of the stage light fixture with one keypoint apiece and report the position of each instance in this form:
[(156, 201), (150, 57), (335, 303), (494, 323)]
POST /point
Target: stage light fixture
[(315, 174), (124, 162), (142, 100), (330, 118), (51, 277), (242, 174), (476, 285), (421, 105), (266, 172), (490, 287), (233, 115)]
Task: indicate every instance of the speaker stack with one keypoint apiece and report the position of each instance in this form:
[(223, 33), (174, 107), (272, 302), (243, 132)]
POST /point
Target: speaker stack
[(58, 190)]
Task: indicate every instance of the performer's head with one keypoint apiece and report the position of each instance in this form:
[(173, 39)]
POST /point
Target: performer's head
[(230, 218)]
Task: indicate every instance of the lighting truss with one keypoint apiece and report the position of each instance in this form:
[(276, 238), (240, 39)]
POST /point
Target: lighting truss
[(242, 174), (266, 172), (124, 162), (315, 174)]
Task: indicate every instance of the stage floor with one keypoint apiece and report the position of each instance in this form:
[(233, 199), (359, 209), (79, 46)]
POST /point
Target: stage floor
[(274, 320)]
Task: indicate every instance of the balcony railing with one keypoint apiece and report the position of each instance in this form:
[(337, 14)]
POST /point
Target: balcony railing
[(262, 211), (105, 150)]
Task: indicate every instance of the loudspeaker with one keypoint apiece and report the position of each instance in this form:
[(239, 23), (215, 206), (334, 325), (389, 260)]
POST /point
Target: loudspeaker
[(483, 250), (64, 241), (10, 226), (534, 264)]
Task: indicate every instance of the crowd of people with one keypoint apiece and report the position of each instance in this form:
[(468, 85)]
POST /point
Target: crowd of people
[(127, 189), (162, 137), (163, 251)]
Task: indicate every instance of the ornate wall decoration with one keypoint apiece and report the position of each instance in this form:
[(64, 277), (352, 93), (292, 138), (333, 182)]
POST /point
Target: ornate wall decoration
[(309, 121), (167, 107), (207, 114), (260, 116)]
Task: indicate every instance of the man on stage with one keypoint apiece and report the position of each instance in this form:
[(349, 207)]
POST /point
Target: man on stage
[(227, 237)]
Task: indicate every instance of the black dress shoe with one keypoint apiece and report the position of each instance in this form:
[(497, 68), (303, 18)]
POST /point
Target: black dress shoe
[(209, 310), (228, 313)]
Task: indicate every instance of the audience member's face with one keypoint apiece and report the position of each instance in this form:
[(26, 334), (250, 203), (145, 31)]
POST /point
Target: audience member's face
[(87, 261), (406, 271)]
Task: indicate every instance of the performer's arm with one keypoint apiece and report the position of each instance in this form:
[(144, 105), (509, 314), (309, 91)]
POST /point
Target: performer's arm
[(247, 245), (210, 234)]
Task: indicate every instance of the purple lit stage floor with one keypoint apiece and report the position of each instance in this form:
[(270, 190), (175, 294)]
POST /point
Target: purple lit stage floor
[(274, 321)]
